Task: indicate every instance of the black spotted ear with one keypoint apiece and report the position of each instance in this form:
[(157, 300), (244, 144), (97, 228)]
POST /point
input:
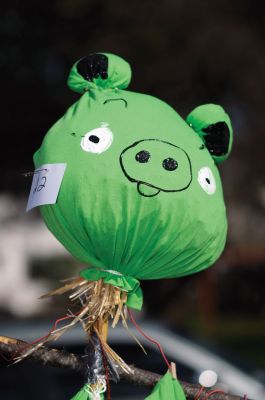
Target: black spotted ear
[(99, 70), (213, 125)]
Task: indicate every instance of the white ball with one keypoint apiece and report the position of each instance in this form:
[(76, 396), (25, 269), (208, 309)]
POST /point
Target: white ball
[(208, 378)]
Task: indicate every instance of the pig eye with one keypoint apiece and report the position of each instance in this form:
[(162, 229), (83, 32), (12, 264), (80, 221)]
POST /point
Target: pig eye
[(97, 140), (206, 180)]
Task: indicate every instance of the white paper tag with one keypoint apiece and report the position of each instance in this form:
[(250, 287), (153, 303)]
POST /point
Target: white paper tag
[(45, 186)]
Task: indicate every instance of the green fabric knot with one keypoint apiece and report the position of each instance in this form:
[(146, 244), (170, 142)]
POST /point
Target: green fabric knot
[(115, 278), (167, 388)]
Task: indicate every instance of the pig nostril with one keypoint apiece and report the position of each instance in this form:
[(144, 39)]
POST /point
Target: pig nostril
[(93, 138), (143, 156), (170, 164)]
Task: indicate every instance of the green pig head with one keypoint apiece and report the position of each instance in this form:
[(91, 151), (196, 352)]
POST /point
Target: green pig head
[(141, 195)]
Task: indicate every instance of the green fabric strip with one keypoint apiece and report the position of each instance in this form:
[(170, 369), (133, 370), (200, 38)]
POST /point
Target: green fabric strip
[(167, 388), (86, 394), (82, 394), (126, 283)]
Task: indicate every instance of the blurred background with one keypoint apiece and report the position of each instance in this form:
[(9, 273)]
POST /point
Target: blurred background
[(187, 53)]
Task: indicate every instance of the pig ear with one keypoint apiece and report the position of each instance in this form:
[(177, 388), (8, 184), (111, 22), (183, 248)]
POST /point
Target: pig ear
[(99, 70), (213, 125)]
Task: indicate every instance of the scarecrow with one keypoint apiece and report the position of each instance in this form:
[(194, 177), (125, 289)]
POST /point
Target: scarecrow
[(132, 191)]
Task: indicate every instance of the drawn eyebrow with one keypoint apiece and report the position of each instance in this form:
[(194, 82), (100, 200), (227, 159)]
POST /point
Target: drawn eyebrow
[(125, 102)]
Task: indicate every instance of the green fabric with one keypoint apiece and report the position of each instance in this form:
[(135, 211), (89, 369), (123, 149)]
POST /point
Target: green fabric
[(119, 76), (118, 211), (127, 283), (167, 388), (81, 395), (84, 394), (208, 114)]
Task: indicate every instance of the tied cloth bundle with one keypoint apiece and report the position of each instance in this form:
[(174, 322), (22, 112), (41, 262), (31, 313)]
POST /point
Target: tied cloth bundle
[(140, 196)]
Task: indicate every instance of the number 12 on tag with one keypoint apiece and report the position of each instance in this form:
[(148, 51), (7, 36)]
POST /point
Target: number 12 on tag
[(46, 183)]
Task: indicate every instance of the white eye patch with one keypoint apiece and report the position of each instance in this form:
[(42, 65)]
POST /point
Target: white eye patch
[(97, 140), (206, 180)]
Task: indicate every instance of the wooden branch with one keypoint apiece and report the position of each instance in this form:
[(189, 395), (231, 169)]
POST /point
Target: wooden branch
[(62, 359)]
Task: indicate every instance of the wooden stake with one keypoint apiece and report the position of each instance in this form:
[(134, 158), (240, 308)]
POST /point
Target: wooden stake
[(173, 370)]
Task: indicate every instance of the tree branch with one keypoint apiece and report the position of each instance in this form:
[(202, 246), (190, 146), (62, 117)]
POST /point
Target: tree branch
[(62, 359)]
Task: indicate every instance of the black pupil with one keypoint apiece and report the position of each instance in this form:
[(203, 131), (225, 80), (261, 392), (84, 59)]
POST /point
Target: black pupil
[(170, 164), (143, 156), (93, 139), (208, 180)]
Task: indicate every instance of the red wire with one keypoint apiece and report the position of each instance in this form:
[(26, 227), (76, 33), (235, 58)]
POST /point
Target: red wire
[(105, 364), (212, 392), (39, 339), (53, 328), (166, 360), (198, 394), (149, 338), (46, 336)]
